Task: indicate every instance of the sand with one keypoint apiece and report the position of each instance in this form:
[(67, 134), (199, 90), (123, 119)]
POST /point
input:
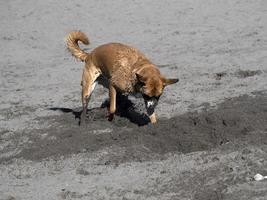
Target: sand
[(211, 136)]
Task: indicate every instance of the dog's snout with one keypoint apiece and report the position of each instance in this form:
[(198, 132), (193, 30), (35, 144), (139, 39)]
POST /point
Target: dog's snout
[(152, 102)]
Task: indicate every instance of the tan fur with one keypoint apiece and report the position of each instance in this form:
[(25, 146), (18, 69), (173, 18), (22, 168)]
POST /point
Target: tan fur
[(72, 44), (126, 68), (153, 118)]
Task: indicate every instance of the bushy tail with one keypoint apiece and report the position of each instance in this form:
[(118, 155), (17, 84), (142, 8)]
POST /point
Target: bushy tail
[(72, 43)]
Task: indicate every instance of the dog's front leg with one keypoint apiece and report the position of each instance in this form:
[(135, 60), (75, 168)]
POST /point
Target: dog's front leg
[(151, 104), (152, 115), (153, 118), (112, 106)]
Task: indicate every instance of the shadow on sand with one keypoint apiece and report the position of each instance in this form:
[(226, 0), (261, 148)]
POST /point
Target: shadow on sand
[(125, 109)]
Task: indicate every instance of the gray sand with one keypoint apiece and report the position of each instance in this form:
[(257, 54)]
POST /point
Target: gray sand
[(211, 136)]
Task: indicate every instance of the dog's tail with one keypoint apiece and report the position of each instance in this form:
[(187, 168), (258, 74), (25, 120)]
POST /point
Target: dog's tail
[(72, 43)]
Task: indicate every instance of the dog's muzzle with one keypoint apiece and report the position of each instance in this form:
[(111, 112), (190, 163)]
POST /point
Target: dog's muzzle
[(151, 103)]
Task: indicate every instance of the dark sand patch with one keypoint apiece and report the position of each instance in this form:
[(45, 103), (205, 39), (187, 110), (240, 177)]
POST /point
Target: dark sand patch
[(247, 73), (220, 75), (238, 121)]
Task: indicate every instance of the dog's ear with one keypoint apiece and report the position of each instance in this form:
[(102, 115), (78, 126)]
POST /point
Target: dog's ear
[(170, 81)]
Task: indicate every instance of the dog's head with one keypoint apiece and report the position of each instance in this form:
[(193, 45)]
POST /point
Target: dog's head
[(151, 85)]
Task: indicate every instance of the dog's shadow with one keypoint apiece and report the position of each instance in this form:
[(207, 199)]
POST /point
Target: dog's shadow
[(125, 109)]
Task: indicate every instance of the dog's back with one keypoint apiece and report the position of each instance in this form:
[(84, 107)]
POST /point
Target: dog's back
[(117, 62), (116, 55)]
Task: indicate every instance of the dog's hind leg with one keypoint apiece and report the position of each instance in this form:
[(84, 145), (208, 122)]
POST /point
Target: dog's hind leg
[(88, 84)]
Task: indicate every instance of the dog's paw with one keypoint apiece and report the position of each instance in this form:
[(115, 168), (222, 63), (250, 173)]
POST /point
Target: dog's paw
[(110, 116), (153, 118), (83, 118), (81, 122)]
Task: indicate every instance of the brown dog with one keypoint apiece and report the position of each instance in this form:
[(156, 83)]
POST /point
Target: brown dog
[(127, 70)]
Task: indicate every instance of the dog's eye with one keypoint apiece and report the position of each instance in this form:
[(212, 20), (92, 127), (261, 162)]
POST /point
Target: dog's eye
[(142, 84)]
